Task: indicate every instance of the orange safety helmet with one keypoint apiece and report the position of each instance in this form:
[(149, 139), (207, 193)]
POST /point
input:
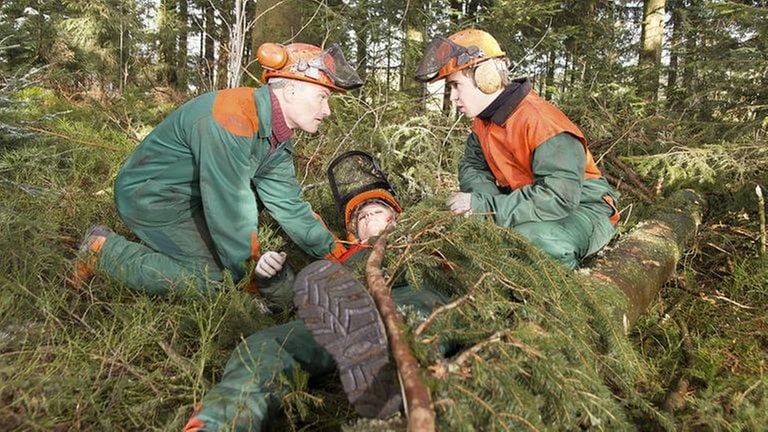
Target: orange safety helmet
[(461, 50), (308, 63), (355, 203)]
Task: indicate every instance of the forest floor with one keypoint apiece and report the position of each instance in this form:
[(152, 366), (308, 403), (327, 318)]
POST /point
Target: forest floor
[(106, 358)]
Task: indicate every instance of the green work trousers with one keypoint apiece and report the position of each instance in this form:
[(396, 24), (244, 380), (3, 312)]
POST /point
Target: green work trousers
[(172, 257), (576, 236), (253, 383)]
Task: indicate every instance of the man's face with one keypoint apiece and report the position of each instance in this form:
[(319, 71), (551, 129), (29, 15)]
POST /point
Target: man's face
[(372, 219), (464, 93), (307, 105)]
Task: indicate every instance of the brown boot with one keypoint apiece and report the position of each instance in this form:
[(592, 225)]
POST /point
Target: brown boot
[(84, 265)]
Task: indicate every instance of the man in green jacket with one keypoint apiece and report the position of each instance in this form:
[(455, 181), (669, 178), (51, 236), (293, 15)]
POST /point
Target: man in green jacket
[(192, 190), (525, 163), (340, 328)]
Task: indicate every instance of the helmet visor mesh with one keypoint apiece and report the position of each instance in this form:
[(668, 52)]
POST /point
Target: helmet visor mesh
[(353, 173), (439, 52), (332, 63)]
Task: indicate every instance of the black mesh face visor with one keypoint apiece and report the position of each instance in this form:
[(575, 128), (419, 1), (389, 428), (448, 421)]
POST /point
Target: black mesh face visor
[(332, 63), (353, 173), (439, 52)]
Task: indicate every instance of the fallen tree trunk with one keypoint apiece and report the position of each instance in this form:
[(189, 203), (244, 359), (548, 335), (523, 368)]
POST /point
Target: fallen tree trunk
[(643, 260)]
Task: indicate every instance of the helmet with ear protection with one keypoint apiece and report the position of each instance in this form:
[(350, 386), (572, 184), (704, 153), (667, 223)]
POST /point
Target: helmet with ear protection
[(308, 63), (488, 75), (355, 178), (461, 50)]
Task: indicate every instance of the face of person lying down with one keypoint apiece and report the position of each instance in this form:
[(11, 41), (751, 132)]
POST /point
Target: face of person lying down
[(372, 219)]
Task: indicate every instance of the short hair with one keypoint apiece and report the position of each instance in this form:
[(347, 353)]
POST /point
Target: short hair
[(501, 63), (278, 82)]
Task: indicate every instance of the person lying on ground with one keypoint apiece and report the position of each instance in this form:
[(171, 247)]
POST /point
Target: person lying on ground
[(340, 327)]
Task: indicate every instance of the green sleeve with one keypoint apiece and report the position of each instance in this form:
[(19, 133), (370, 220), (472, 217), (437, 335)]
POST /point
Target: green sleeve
[(231, 213), (558, 169), (280, 192), (474, 174)]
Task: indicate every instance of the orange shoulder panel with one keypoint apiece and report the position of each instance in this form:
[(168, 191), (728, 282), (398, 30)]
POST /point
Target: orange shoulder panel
[(235, 111), (508, 149)]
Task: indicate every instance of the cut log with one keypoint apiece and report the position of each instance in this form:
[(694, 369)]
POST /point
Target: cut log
[(643, 260)]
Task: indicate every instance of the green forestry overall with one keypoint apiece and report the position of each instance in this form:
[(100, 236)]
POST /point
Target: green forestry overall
[(188, 191)]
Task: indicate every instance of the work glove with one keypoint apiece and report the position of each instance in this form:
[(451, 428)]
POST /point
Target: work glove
[(460, 203), (270, 264)]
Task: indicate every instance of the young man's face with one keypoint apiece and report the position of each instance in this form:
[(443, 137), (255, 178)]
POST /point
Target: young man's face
[(372, 219), (307, 105), (469, 100)]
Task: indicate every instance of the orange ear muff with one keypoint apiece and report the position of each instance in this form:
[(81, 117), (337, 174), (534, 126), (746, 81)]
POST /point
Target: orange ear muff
[(272, 56), (488, 77)]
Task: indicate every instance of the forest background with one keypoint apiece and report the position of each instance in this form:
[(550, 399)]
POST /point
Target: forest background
[(670, 93)]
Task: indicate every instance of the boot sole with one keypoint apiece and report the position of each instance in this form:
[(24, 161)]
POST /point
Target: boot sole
[(342, 317)]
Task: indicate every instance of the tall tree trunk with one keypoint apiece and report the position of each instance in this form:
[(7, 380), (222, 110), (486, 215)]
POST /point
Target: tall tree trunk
[(224, 32), (183, 32), (166, 17), (209, 57), (651, 39), (549, 82), (691, 44), (361, 44), (276, 21), (238, 27), (362, 29)]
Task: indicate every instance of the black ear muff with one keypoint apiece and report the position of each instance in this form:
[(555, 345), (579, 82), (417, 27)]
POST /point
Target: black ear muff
[(488, 77)]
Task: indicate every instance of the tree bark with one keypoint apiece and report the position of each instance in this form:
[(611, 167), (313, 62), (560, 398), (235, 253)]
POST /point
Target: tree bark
[(643, 260), (166, 18), (276, 21), (209, 60), (182, 75), (421, 414), (650, 47), (674, 52)]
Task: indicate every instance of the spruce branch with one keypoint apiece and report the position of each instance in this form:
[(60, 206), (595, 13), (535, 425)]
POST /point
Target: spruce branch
[(631, 174), (675, 399), (490, 409), (499, 336), (619, 184), (421, 414), (448, 306)]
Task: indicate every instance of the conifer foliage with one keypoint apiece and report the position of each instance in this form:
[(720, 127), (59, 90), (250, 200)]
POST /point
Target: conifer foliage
[(530, 346)]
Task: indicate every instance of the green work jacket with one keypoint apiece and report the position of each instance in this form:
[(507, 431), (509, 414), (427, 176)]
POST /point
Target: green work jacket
[(213, 156), (557, 165)]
